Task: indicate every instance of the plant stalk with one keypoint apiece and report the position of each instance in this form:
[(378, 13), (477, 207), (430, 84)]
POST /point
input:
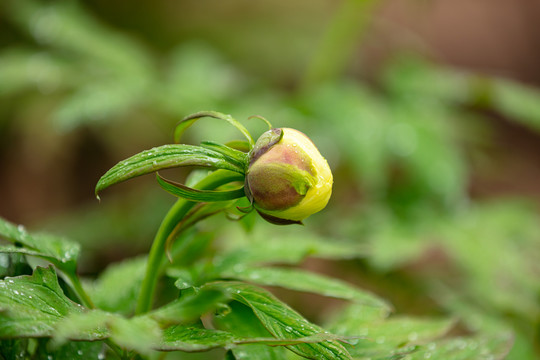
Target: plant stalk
[(173, 217), (79, 290)]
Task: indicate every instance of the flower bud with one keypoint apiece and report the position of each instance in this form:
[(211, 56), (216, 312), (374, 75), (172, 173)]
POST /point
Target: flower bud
[(287, 179)]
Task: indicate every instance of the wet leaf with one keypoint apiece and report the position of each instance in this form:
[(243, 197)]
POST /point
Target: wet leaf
[(242, 322), (480, 348), (302, 280), (31, 306), (378, 336), (190, 338), (282, 321), (190, 306), (61, 252), (165, 157)]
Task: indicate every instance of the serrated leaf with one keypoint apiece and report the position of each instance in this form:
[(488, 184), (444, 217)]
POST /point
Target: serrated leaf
[(31, 306), (301, 280), (282, 321), (164, 157), (117, 288), (61, 252)]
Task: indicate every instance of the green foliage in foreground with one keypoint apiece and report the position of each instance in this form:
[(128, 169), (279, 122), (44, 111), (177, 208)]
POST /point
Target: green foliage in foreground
[(247, 320)]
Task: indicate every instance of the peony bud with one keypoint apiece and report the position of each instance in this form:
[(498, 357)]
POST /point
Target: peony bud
[(287, 179)]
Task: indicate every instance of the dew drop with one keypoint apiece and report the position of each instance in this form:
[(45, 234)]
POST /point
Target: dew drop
[(288, 329), (79, 352), (413, 336), (427, 355), (380, 340), (16, 292)]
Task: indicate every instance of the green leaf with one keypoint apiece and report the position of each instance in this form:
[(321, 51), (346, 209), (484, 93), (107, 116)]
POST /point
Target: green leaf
[(190, 306), (302, 280), (117, 288), (188, 193), (47, 349), (462, 348), (378, 336), (242, 322), (139, 333), (190, 338), (185, 123), (164, 157), (282, 321), (61, 252), (31, 306), (518, 101), (264, 246), (15, 349)]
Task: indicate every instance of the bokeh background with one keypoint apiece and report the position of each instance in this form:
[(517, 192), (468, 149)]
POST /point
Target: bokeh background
[(428, 112)]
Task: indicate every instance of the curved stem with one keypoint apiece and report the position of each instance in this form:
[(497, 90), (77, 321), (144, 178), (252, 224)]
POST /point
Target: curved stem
[(175, 215)]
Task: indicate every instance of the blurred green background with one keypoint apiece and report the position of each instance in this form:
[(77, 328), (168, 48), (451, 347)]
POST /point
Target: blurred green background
[(427, 111)]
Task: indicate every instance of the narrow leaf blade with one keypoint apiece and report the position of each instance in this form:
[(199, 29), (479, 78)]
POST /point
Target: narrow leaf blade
[(188, 193), (185, 123), (164, 157)]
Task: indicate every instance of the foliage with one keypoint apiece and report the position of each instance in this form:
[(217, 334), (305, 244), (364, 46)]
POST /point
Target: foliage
[(404, 150)]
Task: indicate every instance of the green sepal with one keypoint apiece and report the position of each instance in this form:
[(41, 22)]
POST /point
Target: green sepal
[(165, 157), (185, 123), (264, 143), (188, 193), (239, 145)]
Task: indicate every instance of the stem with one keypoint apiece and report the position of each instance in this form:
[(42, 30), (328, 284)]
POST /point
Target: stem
[(173, 217), (79, 290), (339, 41)]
